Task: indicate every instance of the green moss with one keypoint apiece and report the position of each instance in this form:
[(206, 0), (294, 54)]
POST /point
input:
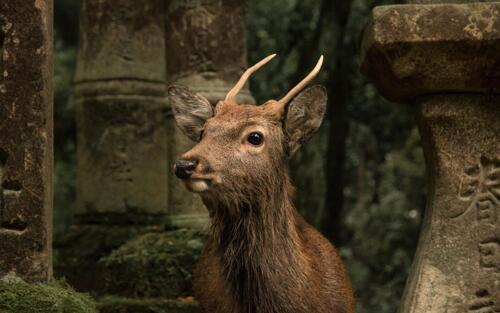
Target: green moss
[(153, 265), (56, 297), (126, 305), (77, 252)]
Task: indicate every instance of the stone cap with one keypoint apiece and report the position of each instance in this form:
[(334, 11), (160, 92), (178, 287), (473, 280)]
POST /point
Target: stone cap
[(417, 49)]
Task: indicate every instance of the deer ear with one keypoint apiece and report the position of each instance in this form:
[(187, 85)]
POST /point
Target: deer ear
[(304, 116), (191, 110)]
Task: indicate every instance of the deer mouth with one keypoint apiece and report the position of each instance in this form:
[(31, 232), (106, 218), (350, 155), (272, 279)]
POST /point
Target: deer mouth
[(201, 182), (197, 184)]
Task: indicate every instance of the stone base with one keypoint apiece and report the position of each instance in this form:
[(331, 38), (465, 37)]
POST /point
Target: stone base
[(127, 305), (76, 253), (17, 296), (131, 268), (153, 265)]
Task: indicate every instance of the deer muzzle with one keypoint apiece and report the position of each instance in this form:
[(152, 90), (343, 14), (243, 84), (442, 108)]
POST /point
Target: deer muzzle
[(184, 168)]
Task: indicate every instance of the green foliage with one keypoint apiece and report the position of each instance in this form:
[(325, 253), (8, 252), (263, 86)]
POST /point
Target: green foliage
[(18, 296), (383, 217)]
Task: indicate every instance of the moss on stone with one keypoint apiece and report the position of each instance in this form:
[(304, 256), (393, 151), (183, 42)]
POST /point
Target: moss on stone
[(76, 253), (56, 297), (153, 265), (127, 305)]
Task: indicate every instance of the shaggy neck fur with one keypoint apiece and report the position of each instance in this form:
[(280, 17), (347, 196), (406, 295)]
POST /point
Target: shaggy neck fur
[(258, 244)]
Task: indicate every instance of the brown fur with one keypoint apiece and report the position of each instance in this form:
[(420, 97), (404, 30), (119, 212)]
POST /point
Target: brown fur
[(262, 257)]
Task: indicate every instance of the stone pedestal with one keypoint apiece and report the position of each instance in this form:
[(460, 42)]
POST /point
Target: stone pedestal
[(121, 108), (26, 139), (206, 51), (445, 59)]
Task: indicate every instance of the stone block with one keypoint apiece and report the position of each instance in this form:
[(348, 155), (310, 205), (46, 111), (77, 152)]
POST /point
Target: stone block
[(413, 50), (122, 166), (121, 39), (26, 123)]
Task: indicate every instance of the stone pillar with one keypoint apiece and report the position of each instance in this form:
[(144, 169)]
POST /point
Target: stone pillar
[(121, 104), (26, 139), (121, 107), (445, 60), (206, 51)]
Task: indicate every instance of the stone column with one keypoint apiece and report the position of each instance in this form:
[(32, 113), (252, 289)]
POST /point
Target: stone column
[(206, 51), (121, 107), (445, 60), (120, 99), (26, 139)]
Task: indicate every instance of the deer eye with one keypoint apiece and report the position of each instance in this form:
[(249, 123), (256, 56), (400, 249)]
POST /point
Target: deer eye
[(255, 138)]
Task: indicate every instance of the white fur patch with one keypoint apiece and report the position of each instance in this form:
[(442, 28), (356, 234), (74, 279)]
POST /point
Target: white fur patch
[(198, 185)]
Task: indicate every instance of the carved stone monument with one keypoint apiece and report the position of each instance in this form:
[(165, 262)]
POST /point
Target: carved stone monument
[(121, 108), (445, 60), (206, 51), (26, 139)]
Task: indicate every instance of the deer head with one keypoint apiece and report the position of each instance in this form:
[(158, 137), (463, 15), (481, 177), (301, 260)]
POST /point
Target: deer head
[(241, 147)]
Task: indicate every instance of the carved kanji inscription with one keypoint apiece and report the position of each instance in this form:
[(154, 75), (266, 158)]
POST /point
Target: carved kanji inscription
[(489, 254), (480, 187), (483, 302)]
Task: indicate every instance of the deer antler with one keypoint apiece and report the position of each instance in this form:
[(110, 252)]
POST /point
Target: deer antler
[(295, 90), (233, 92)]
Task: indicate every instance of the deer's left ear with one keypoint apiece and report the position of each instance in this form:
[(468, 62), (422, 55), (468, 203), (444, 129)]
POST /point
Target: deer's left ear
[(191, 110), (304, 116)]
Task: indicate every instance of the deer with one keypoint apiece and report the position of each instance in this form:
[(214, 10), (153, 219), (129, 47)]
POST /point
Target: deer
[(261, 255)]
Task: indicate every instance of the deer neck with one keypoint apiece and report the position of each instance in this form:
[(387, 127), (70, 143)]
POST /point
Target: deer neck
[(259, 247)]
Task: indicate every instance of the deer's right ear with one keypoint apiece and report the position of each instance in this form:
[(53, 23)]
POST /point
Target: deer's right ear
[(191, 110)]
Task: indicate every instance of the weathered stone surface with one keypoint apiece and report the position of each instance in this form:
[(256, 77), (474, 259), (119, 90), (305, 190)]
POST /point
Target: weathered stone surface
[(412, 50), (206, 46), (26, 139), (121, 109), (457, 267), (121, 39), (206, 52)]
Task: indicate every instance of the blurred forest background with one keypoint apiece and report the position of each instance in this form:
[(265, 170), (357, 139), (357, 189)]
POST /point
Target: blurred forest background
[(360, 180)]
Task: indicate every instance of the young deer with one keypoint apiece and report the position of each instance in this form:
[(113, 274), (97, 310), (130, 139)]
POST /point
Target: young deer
[(262, 256)]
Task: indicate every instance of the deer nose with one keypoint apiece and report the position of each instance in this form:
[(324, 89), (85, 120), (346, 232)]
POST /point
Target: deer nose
[(185, 168)]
